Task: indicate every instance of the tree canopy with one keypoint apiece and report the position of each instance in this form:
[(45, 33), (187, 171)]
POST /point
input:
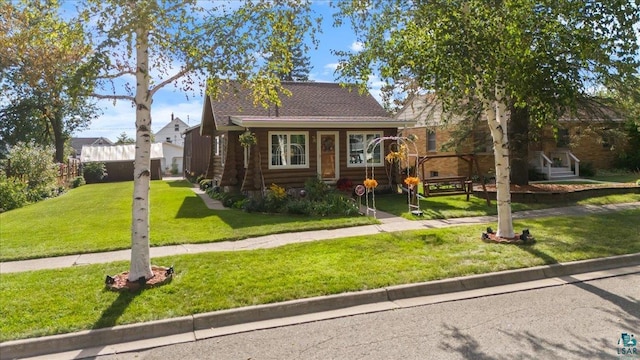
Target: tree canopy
[(43, 99), (496, 56)]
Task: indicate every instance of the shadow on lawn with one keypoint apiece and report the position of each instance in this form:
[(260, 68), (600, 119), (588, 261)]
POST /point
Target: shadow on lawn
[(179, 183), (108, 318), (110, 315)]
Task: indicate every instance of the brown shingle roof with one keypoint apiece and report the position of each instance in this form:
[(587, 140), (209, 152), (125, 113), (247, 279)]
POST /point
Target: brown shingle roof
[(307, 100)]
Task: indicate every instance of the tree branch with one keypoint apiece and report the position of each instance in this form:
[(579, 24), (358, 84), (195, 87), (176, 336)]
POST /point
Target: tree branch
[(173, 78), (117, 75), (113, 97)]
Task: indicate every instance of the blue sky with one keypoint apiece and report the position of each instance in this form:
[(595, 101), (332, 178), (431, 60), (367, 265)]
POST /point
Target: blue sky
[(121, 117)]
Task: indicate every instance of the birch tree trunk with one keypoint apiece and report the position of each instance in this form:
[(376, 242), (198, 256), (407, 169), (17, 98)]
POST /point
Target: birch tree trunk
[(497, 117), (140, 259)]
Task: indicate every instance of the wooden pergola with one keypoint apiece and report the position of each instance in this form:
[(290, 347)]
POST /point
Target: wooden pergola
[(470, 159)]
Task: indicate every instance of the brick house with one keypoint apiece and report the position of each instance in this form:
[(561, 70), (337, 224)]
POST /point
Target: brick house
[(582, 138)]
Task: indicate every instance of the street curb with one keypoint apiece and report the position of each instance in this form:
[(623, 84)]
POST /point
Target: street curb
[(287, 309), (188, 324)]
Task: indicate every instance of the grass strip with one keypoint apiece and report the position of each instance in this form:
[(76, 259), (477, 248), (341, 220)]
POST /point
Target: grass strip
[(50, 302)]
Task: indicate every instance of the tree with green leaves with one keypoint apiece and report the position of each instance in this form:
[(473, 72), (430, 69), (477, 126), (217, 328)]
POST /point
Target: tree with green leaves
[(300, 64), (142, 46), (42, 98), (124, 139), (496, 56)]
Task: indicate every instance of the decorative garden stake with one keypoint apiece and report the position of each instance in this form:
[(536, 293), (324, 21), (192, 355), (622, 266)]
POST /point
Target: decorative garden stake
[(398, 154)]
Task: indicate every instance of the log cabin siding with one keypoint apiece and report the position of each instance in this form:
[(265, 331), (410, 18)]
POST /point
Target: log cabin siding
[(258, 174)]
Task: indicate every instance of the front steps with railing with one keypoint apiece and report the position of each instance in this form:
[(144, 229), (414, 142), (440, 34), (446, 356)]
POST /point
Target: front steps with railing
[(560, 167), (562, 173)]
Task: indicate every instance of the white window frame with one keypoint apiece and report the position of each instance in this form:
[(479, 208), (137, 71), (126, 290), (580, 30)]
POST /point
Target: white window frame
[(217, 146), (245, 156), (223, 148), (288, 134), (376, 134)]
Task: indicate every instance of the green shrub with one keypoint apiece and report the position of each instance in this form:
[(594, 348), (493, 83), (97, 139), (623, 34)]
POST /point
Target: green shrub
[(205, 184), (536, 175), (34, 165), (78, 181), (316, 189), (253, 205), (94, 172), (276, 199), (586, 169), (230, 199), (13, 193), (298, 207)]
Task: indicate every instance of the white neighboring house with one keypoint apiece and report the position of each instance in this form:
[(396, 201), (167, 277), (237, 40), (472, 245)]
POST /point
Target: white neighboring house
[(172, 145), (171, 133), (172, 159)]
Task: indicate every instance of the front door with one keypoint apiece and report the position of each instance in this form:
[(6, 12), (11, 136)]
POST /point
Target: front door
[(328, 155)]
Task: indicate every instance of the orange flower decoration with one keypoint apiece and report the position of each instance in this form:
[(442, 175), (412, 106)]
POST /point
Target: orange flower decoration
[(370, 183), (412, 180)]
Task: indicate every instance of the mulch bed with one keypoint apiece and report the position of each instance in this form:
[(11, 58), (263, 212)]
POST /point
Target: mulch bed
[(517, 240), (120, 282)]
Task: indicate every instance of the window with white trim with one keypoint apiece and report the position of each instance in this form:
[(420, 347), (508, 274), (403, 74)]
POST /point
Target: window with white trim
[(220, 147), (288, 149), (357, 149), (223, 149)]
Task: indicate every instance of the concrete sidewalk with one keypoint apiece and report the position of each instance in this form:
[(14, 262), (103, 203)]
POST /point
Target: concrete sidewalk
[(389, 223)]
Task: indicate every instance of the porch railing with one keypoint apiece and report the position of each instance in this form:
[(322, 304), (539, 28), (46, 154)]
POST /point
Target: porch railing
[(557, 159)]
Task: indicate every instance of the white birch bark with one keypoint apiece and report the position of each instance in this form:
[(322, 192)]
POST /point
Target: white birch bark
[(497, 117), (140, 258)]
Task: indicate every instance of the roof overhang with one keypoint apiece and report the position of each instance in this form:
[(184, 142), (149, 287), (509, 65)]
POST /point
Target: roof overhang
[(318, 122)]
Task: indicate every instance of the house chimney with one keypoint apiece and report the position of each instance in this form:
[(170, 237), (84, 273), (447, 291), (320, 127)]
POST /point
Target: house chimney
[(171, 116)]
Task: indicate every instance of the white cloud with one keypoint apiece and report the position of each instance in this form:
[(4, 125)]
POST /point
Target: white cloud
[(332, 66), (357, 46)]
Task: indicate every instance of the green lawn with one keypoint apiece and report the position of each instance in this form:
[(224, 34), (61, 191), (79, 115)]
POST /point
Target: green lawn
[(616, 176), (445, 207), (94, 218), (97, 217), (49, 302)]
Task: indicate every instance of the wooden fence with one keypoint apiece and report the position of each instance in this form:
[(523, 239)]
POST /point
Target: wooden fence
[(67, 172)]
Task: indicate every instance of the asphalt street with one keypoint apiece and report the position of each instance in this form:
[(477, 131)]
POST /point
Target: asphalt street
[(574, 321)]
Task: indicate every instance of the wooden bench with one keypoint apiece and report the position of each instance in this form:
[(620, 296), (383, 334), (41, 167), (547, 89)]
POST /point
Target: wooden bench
[(442, 186)]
